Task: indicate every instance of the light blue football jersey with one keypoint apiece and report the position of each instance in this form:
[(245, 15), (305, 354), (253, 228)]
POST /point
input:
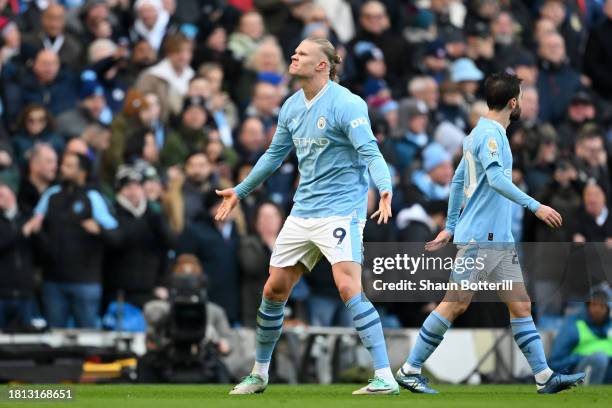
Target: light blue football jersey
[(335, 147), (487, 215)]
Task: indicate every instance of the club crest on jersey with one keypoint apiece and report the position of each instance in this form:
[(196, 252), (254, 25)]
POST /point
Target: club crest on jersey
[(321, 123), (492, 145)]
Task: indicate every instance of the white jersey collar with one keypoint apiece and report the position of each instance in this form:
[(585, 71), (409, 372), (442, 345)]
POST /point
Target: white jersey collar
[(311, 102)]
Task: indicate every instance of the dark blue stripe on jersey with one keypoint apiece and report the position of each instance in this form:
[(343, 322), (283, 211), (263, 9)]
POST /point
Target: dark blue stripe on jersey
[(430, 334), (366, 326), (428, 341), (364, 314), (529, 340), (266, 317), (259, 326), (522, 334)]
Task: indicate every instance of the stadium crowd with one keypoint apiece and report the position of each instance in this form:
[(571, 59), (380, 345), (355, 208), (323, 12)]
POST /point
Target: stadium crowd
[(120, 118)]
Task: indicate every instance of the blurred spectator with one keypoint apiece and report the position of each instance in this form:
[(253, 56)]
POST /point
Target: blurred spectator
[(141, 146), (35, 125), (591, 158), (568, 24), (411, 137), (507, 45), (97, 138), (481, 46), (151, 22), (597, 55), (435, 61), (581, 110), (432, 183), (135, 266), (46, 83), (17, 283), (212, 49), (216, 244), (562, 193), (139, 111), (243, 42), (465, 73), (53, 37), (254, 253), (265, 64), (374, 27), (451, 138), (42, 169), (525, 66), (557, 80), (540, 170), (189, 136), (107, 65), (11, 50), (424, 88), (452, 106), (421, 223), (265, 105), (76, 224), (251, 139), (92, 109), (593, 222), (200, 179), (142, 57), (169, 79), (584, 343), (224, 110)]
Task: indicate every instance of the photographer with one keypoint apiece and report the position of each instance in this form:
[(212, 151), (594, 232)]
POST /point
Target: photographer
[(186, 335)]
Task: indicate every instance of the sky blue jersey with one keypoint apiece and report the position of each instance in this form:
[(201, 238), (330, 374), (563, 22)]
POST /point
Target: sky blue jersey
[(335, 148), (483, 181)]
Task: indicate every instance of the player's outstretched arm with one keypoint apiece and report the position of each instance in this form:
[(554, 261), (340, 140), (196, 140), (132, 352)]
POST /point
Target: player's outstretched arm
[(269, 162), (441, 240), (230, 199), (455, 198), (549, 216), (384, 208)]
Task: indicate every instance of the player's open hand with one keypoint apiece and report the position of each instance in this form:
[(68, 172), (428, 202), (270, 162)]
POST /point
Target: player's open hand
[(549, 216), (230, 199), (441, 240), (384, 208)]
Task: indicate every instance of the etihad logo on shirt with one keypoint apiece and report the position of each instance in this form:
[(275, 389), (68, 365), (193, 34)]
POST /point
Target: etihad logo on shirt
[(359, 121), (303, 142)]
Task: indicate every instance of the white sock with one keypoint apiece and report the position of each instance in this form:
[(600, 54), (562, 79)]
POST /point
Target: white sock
[(543, 376), (385, 373), (408, 369), (261, 369)]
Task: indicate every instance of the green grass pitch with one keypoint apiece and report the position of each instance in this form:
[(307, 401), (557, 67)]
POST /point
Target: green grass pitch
[(320, 396)]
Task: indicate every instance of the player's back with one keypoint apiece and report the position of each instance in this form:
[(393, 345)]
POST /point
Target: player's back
[(487, 215), (333, 177)]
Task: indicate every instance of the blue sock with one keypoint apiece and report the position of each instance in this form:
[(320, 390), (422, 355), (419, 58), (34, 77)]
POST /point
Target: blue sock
[(529, 341), (368, 326), (430, 337), (269, 326)]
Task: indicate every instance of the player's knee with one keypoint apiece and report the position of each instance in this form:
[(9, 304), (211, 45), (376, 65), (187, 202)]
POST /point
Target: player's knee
[(347, 291), (275, 290)]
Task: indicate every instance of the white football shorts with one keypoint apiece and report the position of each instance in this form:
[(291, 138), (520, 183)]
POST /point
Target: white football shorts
[(338, 238)]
